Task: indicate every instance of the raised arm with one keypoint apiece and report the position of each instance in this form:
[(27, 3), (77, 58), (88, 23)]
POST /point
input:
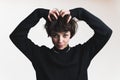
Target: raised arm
[(19, 35), (101, 35)]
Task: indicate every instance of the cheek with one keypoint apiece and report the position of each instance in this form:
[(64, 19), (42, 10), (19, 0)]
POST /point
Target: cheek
[(54, 40), (68, 40)]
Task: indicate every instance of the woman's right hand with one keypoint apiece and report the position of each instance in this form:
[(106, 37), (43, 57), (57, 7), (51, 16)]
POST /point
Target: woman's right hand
[(54, 13)]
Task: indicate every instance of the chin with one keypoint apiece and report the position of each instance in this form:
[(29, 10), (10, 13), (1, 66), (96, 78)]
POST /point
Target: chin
[(61, 48)]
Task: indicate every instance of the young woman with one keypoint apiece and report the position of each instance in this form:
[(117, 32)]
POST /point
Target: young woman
[(62, 62)]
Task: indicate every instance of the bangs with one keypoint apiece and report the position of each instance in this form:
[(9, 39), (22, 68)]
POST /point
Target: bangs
[(58, 26)]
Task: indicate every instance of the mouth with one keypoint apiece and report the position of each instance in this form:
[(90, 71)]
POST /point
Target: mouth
[(61, 46)]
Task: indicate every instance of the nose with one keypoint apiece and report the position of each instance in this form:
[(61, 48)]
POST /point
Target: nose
[(60, 39)]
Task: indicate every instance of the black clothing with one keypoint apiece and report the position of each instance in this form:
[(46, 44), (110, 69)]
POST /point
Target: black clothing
[(67, 64)]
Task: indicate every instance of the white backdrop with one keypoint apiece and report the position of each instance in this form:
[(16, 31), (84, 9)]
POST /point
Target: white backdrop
[(15, 66)]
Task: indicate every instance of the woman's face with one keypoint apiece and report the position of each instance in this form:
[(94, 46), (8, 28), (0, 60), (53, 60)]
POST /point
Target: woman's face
[(60, 39)]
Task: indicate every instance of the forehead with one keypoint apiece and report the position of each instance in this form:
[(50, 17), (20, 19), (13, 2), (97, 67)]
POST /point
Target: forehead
[(60, 33)]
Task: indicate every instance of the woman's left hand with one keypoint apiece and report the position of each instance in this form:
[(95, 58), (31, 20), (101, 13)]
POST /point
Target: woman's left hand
[(65, 12)]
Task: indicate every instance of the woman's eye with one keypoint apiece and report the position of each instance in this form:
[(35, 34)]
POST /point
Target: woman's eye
[(65, 35), (54, 35)]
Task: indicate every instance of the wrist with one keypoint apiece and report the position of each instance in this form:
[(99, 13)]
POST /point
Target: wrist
[(76, 12), (43, 12)]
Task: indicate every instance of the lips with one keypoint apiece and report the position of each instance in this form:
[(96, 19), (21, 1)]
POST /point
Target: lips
[(60, 45)]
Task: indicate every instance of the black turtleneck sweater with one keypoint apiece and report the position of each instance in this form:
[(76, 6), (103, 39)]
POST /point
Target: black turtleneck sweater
[(68, 64)]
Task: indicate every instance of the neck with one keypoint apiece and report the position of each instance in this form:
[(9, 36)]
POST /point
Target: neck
[(65, 50)]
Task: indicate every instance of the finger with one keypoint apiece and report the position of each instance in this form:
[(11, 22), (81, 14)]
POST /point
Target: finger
[(56, 12), (62, 13), (52, 15), (69, 19), (56, 17), (50, 12), (49, 18)]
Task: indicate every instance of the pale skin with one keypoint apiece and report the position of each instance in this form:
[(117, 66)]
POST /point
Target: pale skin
[(60, 39)]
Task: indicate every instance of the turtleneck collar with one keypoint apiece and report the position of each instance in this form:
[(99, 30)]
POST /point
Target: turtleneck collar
[(65, 50)]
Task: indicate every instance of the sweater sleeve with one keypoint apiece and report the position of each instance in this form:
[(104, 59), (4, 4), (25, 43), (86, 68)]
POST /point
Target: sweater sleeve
[(19, 35), (101, 35)]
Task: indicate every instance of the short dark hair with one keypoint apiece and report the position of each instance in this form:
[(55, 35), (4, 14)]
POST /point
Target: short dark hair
[(61, 25)]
